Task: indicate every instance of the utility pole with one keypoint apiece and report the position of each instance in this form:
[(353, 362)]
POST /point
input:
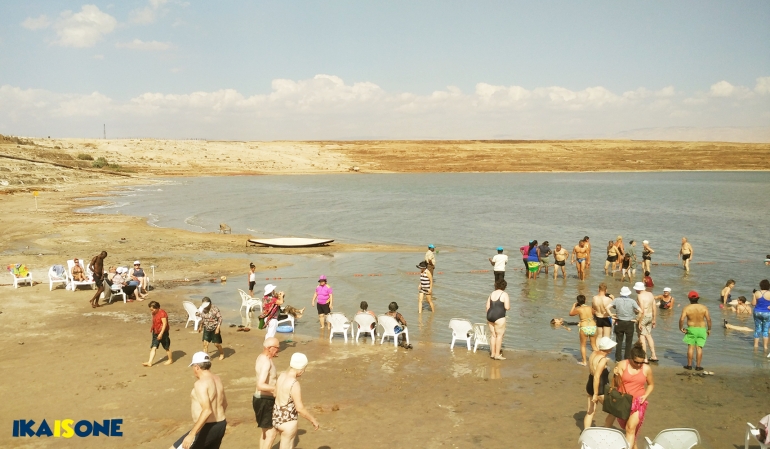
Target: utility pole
[(105, 131)]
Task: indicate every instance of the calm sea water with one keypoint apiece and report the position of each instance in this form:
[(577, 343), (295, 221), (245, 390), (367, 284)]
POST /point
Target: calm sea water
[(467, 216)]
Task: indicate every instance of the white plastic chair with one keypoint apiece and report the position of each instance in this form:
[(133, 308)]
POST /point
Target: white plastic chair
[(192, 314), (389, 325), (674, 439), (752, 434), (16, 279), (480, 335), (366, 325), (248, 302), (339, 323), (461, 330), (72, 284), (603, 438), (53, 278), (289, 319), (115, 292)]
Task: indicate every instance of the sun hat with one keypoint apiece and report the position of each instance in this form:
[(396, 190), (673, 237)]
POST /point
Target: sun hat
[(605, 343), (639, 286), (322, 278), (499, 248), (200, 357), (136, 262), (431, 246), (693, 295), (298, 360), (625, 291), (667, 289), (422, 264), (269, 289)]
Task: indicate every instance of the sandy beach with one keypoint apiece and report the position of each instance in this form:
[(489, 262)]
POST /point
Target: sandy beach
[(68, 360)]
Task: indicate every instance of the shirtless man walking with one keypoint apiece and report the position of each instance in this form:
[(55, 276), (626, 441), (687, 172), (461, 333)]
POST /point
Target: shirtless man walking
[(264, 398), (599, 304), (646, 301), (579, 255), (560, 256), (208, 407), (697, 330), (685, 253), (588, 245), (97, 268)]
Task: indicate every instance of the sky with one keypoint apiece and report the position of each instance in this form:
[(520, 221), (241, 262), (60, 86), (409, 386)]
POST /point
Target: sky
[(307, 70)]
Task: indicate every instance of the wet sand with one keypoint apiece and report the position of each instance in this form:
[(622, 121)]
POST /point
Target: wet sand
[(63, 359)]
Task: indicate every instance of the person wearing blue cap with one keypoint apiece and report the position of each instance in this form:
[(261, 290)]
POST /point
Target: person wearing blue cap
[(430, 258), (498, 262)]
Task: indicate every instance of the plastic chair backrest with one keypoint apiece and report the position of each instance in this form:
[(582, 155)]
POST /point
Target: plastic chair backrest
[(190, 308), (337, 320), (387, 322), (603, 438), (678, 438), (460, 327), (365, 321)]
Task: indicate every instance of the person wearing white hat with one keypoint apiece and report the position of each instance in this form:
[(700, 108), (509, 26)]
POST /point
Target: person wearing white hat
[(271, 308), (648, 321), (625, 311), (209, 403), (288, 401), (646, 255), (139, 278), (665, 301), (598, 377)]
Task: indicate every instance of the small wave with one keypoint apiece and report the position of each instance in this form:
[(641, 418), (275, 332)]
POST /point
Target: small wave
[(189, 221)]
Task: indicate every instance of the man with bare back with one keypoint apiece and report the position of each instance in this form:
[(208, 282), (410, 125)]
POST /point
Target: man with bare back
[(208, 408), (685, 253), (646, 301), (560, 259), (579, 255), (264, 398), (697, 331), (588, 245), (599, 304), (97, 268)]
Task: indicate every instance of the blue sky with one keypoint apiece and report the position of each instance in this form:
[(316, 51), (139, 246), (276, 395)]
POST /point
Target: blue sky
[(395, 69)]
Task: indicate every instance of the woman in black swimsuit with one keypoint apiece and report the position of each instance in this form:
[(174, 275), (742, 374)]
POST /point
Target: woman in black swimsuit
[(497, 303), (595, 386), (646, 255)]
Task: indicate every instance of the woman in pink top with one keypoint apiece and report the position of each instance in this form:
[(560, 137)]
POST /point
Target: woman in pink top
[(323, 299), (630, 377)]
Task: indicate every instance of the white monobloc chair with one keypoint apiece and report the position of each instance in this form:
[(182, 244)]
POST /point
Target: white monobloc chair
[(365, 322), (192, 314), (16, 279), (480, 335), (389, 325), (461, 330), (603, 438), (115, 292), (54, 278), (752, 435), (71, 283), (674, 439), (248, 302), (339, 323)]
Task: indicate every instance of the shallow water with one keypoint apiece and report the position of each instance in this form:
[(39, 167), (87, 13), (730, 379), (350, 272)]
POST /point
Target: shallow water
[(468, 215)]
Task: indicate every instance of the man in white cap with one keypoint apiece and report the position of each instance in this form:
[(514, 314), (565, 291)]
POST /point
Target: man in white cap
[(646, 301), (625, 311), (208, 408), (665, 301), (264, 397), (271, 308)]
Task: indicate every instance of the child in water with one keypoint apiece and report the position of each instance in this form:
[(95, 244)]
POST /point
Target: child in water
[(648, 283)]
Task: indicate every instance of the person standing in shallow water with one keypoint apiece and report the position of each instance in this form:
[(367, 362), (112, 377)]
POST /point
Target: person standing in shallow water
[(497, 304), (697, 331), (579, 255), (533, 259), (323, 300), (499, 262), (686, 253), (425, 287), (430, 258), (587, 325)]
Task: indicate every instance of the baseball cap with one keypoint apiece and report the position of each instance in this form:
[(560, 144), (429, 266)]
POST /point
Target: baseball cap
[(499, 248), (431, 246), (199, 357), (693, 295), (136, 262), (639, 286), (667, 289), (298, 360), (322, 278)]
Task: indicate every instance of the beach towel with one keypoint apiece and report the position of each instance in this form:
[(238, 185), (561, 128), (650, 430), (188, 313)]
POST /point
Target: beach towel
[(19, 270), (58, 270)]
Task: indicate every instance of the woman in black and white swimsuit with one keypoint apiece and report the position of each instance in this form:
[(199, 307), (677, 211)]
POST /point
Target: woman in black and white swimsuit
[(288, 401)]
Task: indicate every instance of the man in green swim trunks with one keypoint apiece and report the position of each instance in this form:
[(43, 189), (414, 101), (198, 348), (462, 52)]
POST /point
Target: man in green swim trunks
[(697, 330)]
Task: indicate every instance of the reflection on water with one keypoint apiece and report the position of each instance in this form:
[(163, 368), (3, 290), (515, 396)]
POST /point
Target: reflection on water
[(467, 219)]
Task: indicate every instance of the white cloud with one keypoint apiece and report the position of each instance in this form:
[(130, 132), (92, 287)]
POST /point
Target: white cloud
[(37, 23), (721, 89), (325, 107), (147, 14), (138, 44), (763, 85), (83, 29)]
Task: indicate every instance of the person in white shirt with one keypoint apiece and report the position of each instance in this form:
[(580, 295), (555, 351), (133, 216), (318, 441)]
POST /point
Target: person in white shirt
[(498, 262)]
